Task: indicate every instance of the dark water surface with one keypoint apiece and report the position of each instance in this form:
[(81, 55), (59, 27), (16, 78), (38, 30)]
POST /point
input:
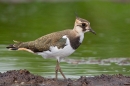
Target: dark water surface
[(108, 52)]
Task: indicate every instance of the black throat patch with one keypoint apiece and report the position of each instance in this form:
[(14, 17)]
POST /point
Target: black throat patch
[(75, 42)]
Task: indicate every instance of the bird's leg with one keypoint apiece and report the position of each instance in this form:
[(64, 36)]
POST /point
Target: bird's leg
[(57, 68), (62, 73)]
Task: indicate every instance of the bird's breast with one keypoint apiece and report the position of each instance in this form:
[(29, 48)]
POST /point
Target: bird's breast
[(75, 42)]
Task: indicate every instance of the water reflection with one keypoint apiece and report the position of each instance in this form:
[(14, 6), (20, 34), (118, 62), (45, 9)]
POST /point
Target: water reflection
[(92, 60), (73, 68)]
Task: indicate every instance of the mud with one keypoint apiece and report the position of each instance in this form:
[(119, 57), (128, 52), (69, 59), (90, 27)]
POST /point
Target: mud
[(25, 78)]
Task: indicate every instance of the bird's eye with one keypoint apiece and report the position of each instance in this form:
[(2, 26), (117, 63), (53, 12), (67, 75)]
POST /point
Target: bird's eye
[(83, 24)]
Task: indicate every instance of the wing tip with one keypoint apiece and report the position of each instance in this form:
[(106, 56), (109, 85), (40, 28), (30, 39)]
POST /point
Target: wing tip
[(11, 47)]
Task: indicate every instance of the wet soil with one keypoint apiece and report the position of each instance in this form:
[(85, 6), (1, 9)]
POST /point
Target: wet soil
[(25, 78)]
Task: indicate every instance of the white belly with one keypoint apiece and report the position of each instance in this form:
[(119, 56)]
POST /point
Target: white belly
[(54, 52)]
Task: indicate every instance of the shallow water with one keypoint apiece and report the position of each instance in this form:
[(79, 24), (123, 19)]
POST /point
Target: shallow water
[(73, 67), (104, 53)]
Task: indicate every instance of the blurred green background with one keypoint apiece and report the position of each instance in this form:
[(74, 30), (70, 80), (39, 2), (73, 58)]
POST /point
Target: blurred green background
[(26, 21)]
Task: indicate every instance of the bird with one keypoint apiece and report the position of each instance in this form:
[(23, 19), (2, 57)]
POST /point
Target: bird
[(58, 44)]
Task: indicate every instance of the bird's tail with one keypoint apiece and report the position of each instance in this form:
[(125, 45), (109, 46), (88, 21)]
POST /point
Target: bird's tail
[(14, 46), (26, 46)]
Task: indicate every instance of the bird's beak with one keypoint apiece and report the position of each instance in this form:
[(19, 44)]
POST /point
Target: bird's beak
[(91, 30)]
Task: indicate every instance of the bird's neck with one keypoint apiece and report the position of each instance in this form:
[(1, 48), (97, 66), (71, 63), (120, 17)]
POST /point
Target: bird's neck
[(79, 34), (81, 37)]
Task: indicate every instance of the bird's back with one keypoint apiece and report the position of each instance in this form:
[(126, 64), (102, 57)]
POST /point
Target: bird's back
[(43, 43)]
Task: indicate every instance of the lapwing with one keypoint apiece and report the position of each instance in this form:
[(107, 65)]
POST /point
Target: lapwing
[(57, 44)]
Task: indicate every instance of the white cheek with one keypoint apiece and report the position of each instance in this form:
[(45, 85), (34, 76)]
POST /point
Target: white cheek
[(79, 29)]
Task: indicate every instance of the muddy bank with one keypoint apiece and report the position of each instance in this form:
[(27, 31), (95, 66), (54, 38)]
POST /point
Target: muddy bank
[(25, 78)]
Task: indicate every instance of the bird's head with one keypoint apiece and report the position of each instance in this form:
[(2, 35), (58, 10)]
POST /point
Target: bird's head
[(82, 26)]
